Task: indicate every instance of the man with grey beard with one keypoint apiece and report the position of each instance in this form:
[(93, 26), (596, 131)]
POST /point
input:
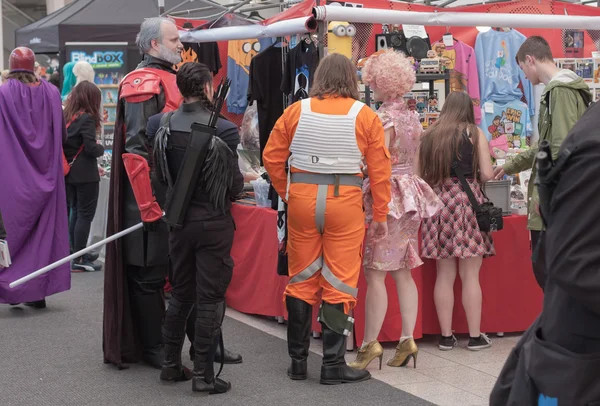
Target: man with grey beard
[(136, 265)]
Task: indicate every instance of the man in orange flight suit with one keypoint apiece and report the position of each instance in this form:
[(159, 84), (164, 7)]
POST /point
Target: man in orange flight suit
[(326, 139)]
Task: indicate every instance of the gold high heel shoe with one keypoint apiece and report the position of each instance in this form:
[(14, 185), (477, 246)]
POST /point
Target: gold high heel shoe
[(367, 354), (404, 352)]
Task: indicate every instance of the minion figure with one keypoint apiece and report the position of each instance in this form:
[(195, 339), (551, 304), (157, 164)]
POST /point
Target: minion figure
[(340, 40)]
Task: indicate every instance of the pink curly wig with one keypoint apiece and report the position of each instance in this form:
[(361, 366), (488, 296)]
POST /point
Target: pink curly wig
[(391, 73)]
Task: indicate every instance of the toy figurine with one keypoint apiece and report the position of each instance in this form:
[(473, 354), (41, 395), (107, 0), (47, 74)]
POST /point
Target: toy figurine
[(421, 104), (412, 104), (432, 105)]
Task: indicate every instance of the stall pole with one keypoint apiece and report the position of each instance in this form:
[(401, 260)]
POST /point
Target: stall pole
[(161, 7), (321, 29)]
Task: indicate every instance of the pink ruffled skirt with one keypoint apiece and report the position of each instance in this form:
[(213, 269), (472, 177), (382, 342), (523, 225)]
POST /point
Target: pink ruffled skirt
[(412, 200)]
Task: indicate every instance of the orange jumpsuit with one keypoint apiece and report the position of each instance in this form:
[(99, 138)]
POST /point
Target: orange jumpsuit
[(331, 257)]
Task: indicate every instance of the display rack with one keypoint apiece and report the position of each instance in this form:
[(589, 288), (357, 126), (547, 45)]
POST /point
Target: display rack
[(431, 78)]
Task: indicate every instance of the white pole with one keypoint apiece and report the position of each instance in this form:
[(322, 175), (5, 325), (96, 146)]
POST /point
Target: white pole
[(456, 19), (73, 256), (293, 26)]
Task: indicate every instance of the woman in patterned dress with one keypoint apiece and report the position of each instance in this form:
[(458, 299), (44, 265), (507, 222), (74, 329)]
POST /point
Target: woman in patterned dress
[(391, 75), (452, 236)]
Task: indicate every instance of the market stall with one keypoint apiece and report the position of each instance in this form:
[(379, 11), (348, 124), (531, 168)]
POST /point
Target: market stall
[(271, 64), (512, 298), (511, 301)]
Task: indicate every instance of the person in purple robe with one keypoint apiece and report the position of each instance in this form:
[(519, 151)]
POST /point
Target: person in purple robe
[(32, 186)]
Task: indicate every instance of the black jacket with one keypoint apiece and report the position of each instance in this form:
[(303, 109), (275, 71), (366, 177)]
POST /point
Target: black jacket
[(85, 167), (572, 295), (180, 128), (558, 355)]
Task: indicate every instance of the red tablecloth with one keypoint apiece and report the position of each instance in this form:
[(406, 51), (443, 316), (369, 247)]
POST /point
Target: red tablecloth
[(511, 297)]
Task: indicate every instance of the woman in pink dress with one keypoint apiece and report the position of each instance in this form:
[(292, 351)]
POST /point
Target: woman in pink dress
[(391, 75)]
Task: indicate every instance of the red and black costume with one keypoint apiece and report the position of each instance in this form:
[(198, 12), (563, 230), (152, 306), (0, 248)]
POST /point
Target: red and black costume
[(136, 265)]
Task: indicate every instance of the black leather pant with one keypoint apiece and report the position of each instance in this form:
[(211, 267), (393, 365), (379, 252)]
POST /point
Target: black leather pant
[(201, 269)]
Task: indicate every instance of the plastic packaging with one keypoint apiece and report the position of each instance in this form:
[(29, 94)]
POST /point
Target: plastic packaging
[(249, 130), (261, 192)]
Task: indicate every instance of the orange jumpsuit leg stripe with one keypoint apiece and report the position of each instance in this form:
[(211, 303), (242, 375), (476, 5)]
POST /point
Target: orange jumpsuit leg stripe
[(305, 243), (342, 243)]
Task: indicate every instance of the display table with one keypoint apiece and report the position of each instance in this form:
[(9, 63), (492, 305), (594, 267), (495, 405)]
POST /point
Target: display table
[(511, 297)]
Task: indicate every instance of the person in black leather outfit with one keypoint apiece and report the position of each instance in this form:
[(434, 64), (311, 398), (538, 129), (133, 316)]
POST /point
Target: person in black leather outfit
[(136, 265), (201, 264)]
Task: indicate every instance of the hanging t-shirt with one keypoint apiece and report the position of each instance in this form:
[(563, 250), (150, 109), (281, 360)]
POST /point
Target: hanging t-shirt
[(265, 76), (205, 52), (239, 55), (299, 69), (499, 73), (510, 119), (463, 71)]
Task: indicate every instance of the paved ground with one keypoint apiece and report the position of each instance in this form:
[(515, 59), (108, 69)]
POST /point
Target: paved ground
[(53, 357)]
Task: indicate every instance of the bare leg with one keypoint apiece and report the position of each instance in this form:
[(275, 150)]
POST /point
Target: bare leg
[(443, 293), (375, 304), (471, 293), (408, 296)]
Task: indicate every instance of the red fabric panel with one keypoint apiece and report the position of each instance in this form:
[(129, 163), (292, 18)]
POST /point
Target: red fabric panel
[(511, 297), (255, 287)]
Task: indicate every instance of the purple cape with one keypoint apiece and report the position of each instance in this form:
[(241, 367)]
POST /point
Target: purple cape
[(32, 190)]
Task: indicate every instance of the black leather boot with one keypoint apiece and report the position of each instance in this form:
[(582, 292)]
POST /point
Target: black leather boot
[(208, 329), (230, 357), (40, 304), (174, 337), (298, 336), (334, 370), (148, 312)]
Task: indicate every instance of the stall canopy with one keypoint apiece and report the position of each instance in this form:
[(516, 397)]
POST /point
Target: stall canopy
[(94, 21)]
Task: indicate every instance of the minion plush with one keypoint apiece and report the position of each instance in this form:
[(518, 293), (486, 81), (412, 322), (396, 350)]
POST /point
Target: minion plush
[(340, 40)]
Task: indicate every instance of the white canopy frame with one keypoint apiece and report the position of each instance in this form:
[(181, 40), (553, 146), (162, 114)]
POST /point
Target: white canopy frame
[(456, 19), (283, 28)]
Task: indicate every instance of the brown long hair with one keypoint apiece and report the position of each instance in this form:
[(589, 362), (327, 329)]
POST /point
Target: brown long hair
[(23, 77), (84, 98), (335, 76), (441, 141)]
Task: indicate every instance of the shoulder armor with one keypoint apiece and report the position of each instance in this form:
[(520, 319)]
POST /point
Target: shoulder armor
[(140, 85)]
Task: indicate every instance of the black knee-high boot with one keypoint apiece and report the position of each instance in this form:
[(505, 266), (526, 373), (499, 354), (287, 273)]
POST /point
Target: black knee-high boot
[(298, 336), (230, 357), (148, 312), (174, 337), (208, 330), (334, 370)]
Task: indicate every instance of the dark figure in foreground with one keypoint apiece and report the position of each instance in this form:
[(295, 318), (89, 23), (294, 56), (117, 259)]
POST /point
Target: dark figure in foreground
[(201, 264), (557, 359)]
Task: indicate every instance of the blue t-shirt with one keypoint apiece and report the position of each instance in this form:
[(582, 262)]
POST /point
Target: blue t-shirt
[(499, 73), (510, 119)]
